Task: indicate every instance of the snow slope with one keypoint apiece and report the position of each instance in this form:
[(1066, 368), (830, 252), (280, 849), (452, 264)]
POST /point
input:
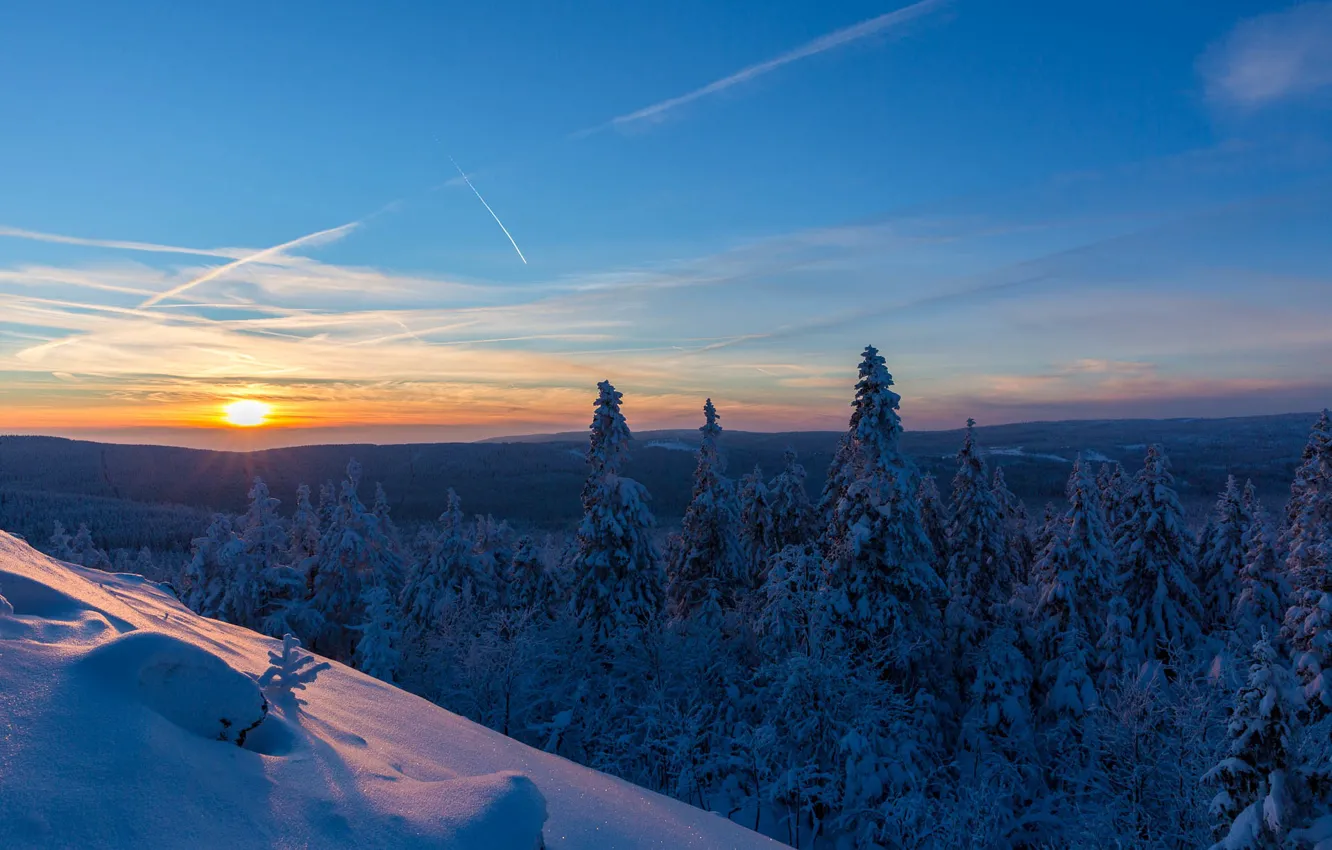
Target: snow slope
[(120, 711)]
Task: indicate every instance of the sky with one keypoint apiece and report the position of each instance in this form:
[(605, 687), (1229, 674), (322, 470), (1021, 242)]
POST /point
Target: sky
[(400, 222)]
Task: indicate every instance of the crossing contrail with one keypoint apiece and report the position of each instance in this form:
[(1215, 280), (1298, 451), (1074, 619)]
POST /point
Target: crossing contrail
[(489, 210), (322, 235)]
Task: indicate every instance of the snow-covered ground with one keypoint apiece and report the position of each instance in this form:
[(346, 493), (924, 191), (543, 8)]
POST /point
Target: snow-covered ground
[(120, 712)]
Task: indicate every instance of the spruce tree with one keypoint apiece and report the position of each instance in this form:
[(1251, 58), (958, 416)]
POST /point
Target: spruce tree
[(1259, 604), (757, 532), (303, 540), (1016, 526), (452, 573), (792, 511), (1308, 526), (617, 575), (981, 569), (530, 585), (1075, 575), (934, 517), (1155, 553), (353, 556), (705, 577), (60, 545), (1260, 782), (881, 586), (378, 650), (1223, 555), (212, 563)]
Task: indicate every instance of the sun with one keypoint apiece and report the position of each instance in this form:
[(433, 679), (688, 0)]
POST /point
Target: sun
[(246, 413)]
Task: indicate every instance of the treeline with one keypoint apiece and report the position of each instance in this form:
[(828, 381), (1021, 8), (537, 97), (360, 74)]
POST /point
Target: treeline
[(881, 668)]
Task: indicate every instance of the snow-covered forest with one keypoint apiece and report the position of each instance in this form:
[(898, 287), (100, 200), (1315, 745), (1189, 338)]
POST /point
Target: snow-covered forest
[(902, 662)]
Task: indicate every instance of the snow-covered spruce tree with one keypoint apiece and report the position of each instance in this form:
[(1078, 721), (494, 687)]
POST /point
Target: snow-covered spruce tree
[(981, 568), (1260, 793), (1307, 627), (353, 555), (452, 573), (1052, 521), (792, 512), (494, 550), (704, 579), (289, 670), (378, 650), (303, 540), (1259, 604), (788, 615), (529, 585), (1222, 556), (1156, 558), (209, 571), (264, 546), (1075, 580), (1114, 485), (757, 531), (934, 516), (1016, 526), (1308, 525), (617, 575), (60, 545), (85, 551)]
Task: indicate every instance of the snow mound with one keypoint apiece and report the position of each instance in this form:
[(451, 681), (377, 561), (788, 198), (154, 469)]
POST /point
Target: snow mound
[(128, 721), (186, 685)]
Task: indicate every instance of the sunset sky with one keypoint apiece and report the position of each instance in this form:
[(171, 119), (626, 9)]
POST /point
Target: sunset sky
[(1036, 210)]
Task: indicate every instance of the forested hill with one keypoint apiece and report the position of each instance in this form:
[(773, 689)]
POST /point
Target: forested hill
[(536, 480)]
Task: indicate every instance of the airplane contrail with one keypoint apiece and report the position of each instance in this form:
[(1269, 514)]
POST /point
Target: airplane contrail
[(332, 232), (489, 210)]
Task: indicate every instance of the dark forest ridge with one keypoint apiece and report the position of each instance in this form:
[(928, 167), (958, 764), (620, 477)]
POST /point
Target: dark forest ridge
[(536, 479)]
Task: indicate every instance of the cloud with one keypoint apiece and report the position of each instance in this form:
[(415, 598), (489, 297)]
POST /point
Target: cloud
[(319, 237), (1272, 58), (831, 41)]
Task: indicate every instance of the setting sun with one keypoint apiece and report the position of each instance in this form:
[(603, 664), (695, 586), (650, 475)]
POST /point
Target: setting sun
[(246, 413)]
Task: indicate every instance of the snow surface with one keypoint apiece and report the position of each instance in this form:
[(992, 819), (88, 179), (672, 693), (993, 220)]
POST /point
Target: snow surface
[(121, 713), (1018, 451)]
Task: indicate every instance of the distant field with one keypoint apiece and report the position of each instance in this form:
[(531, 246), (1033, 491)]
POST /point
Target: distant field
[(535, 481)]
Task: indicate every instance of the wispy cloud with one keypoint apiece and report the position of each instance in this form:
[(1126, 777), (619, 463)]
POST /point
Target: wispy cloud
[(1272, 58), (118, 244), (318, 237), (831, 41)]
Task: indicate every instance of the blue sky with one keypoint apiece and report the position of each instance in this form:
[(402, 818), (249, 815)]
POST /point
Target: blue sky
[(1037, 210)]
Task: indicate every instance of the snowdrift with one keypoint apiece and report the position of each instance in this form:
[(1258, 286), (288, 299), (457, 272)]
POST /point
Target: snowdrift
[(128, 721)]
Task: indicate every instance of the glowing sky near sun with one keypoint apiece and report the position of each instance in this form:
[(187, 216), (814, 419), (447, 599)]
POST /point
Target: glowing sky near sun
[(707, 204)]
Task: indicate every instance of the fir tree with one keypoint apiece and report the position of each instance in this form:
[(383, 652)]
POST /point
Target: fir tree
[(1259, 780), (1223, 555), (1155, 553), (881, 587), (617, 575), (378, 651), (705, 576)]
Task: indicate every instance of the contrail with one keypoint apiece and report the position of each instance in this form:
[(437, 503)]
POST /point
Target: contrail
[(831, 41), (331, 233), (489, 210)]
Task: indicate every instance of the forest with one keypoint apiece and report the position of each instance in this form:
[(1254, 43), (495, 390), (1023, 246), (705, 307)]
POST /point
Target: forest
[(881, 666)]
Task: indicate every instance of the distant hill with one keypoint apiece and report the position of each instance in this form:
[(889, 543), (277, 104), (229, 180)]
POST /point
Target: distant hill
[(535, 480)]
